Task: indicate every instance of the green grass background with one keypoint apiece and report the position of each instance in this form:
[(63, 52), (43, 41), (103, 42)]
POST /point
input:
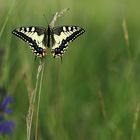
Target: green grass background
[(95, 93)]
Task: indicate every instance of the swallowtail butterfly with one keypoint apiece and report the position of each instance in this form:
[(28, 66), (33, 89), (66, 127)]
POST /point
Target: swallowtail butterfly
[(39, 38)]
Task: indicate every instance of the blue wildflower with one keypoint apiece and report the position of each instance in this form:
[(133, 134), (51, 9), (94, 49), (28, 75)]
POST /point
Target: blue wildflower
[(4, 105), (6, 126)]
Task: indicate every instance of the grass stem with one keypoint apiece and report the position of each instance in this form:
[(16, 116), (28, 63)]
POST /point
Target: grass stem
[(32, 105), (38, 103)]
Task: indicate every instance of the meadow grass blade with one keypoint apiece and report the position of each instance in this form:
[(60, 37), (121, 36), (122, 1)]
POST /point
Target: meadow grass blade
[(7, 18), (126, 36), (135, 121), (56, 16)]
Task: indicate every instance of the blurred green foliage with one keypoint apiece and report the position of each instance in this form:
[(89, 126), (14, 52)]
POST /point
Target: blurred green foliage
[(94, 93)]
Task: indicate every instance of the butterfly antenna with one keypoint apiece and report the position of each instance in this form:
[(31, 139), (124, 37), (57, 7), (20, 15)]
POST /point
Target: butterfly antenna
[(45, 19), (35, 58)]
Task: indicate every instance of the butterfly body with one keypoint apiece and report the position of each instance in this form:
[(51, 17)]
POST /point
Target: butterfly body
[(39, 38)]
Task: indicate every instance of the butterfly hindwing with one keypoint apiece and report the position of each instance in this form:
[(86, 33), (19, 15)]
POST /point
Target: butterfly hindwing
[(62, 36), (34, 36)]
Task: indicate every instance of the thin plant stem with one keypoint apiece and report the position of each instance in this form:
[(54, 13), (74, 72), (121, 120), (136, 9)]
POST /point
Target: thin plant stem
[(33, 95), (38, 103), (31, 105), (7, 18), (102, 105)]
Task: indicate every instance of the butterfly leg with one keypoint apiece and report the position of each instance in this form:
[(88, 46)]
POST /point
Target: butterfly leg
[(61, 58), (35, 58)]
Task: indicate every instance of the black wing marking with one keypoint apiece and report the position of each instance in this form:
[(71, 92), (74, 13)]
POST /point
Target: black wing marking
[(34, 36), (62, 36)]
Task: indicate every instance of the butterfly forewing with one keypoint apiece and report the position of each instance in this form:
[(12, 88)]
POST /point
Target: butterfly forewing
[(34, 36), (62, 36)]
